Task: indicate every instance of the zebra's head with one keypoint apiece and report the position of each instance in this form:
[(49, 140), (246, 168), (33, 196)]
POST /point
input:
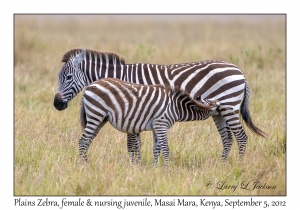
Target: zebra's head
[(71, 80)]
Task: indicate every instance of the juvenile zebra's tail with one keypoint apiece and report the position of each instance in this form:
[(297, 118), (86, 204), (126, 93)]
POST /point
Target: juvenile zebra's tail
[(246, 113), (200, 103), (83, 120)]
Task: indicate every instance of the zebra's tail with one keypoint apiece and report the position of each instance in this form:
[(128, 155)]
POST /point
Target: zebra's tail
[(200, 103), (83, 120), (246, 113)]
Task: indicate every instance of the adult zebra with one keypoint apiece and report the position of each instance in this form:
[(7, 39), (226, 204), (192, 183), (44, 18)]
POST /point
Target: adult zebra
[(211, 79), (133, 108)]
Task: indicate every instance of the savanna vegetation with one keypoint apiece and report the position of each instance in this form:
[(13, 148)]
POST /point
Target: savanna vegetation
[(46, 158)]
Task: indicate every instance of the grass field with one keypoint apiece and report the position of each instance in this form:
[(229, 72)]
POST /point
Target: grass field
[(45, 140)]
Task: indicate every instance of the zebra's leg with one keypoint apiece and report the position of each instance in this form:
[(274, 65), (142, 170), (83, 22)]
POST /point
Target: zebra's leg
[(133, 147), (242, 139), (131, 138), (84, 144), (233, 121), (225, 134), (89, 133), (240, 135), (156, 149), (162, 143), (138, 148)]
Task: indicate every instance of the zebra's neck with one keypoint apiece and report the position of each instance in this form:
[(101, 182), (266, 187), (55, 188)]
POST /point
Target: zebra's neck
[(136, 73), (95, 72)]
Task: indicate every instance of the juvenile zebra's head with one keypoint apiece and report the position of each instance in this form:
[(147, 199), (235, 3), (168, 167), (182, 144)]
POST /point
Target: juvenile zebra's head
[(71, 80)]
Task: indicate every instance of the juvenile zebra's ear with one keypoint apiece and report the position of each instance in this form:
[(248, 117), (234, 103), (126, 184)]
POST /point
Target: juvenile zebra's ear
[(79, 58), (199, 99)]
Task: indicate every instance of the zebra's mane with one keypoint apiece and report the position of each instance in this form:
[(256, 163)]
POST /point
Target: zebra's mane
[(105, 55), (182, 93)]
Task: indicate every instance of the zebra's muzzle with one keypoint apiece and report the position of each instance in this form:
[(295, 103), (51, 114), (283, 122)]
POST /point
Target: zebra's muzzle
[(59, 104)]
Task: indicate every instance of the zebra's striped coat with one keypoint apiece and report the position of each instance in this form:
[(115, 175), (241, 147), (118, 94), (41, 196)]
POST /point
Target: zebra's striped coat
[(133, 108), (208, 80)]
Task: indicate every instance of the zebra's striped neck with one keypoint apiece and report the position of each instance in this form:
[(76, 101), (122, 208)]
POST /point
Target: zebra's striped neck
[(135, 73), (96, 65), (94, 72)]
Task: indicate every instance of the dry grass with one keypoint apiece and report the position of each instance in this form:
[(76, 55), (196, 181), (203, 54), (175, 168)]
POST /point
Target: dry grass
[(45, 145)]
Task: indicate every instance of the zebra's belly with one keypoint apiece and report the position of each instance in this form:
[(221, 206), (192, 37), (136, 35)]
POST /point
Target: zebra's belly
[(132, 127)]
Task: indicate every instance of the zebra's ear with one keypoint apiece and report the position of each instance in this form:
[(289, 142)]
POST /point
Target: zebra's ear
[(199, 99), (79, 58)]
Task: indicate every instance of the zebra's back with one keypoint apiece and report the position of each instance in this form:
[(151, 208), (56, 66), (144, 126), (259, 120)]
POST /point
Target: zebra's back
[(212, 79)]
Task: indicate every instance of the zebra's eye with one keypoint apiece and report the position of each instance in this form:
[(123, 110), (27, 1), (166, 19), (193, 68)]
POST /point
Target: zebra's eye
[(69, 77)]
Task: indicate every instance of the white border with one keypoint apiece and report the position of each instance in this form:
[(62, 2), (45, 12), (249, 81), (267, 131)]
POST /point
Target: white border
[(7, 11)]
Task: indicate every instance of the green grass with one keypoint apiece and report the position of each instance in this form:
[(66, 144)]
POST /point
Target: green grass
[(45, 146)]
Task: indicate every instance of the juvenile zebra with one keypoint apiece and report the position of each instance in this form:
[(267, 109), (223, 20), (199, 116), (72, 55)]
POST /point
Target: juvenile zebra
[(133, 108)]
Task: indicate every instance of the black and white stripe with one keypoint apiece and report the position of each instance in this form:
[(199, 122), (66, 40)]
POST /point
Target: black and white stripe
[(133, 108), (210, 80)]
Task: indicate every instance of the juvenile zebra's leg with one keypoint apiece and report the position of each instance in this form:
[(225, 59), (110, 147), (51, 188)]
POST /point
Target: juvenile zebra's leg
[(225, 133), (133, 147), (91, 130), (156, 149), (162, 144), (84, 144)]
